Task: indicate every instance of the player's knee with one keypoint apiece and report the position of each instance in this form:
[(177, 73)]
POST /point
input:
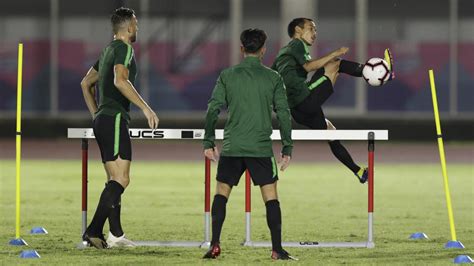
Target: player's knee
[(332, 67), (269, 192), (223, 189), (123, 180)]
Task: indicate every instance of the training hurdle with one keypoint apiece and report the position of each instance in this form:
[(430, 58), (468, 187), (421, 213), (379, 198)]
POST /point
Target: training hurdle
[(188, 134)]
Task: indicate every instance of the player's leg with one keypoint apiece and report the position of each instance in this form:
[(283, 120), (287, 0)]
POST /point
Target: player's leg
[(264, 173), (119, 170), (229, 171), (355, 69), (115, 224), (317, 120), (341, 153), (110, 196), (331, 70), (351, 68), (218, 210), (103, 128), (107, 130)]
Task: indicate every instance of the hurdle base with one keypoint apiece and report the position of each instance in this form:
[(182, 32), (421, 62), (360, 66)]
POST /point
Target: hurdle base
[(315, 244), (205, 245), (249, 244), (454, 244), (18, 242), (198, 244)]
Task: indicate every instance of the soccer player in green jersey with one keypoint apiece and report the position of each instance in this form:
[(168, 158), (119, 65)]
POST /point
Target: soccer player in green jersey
[(115, 73), (305, 99), (250, 92)]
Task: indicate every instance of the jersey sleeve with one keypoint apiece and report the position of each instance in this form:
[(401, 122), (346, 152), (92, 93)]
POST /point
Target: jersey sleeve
[(123, 54), (282, 110), (217, 101), (300, 51)]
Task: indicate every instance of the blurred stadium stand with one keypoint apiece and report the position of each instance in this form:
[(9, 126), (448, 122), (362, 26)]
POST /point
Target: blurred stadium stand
[(183, 45)]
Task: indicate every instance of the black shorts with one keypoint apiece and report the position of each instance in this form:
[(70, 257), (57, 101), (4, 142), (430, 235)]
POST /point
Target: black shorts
[(113, 138), (263, 170), (309, 112)]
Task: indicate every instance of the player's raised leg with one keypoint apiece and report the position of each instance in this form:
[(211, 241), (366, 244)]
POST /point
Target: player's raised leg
[(355, 69)]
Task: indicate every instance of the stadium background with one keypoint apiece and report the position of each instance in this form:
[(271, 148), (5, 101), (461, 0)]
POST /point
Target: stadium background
[(183, 45)]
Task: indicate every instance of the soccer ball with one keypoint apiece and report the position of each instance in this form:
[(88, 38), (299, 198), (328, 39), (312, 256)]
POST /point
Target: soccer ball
[(376, 72)]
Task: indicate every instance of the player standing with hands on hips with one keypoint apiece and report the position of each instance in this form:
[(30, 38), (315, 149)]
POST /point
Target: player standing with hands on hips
[(250, 91), (115, 72)]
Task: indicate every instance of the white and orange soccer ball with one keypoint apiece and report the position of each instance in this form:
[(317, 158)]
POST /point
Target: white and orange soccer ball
[(376, 71)]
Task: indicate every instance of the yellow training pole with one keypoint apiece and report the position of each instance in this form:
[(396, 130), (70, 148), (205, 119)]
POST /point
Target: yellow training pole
[(18, 137), (442, 157)]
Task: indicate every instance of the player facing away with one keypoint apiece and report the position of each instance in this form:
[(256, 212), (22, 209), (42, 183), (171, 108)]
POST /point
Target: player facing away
[(306, 99), (250, 91), (115, 72)]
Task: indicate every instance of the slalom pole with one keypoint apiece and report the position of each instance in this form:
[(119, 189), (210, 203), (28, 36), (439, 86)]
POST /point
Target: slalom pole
[(453, 243), (18, 241)]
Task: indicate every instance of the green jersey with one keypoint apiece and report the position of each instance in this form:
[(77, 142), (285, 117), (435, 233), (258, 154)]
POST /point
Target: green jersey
[(251, 92), (111, 100), (289, 63)]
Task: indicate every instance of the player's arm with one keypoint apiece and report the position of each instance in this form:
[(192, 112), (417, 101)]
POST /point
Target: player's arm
[(127, 89), (88, 89), (316, 64), (282, 110), (217, 101)]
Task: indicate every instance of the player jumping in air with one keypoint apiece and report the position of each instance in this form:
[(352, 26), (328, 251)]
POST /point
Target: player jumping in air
[(305, 99)]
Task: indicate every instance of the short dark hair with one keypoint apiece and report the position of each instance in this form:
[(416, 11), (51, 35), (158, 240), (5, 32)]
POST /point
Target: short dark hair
[(252, 40), (296, 22), (121, 15)]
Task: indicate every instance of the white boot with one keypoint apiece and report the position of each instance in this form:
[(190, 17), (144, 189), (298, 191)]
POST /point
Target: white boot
[(121, 241)]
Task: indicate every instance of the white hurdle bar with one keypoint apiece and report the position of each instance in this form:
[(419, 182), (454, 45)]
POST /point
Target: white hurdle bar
[(183, 134)]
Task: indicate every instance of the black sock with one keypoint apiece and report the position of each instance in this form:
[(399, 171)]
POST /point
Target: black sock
[(351, 68), (343, 155), (218, 217), (114, 219), (274, 223), (108, 199)]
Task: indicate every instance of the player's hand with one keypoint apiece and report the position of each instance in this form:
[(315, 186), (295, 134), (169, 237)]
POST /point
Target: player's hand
[(152, 118), (211, 154), (340, 51), (284, 162)]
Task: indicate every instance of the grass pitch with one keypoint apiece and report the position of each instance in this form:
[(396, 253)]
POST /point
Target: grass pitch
[(320, 202)]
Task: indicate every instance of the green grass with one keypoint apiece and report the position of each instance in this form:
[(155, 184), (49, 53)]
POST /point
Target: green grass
[(320, 202)]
